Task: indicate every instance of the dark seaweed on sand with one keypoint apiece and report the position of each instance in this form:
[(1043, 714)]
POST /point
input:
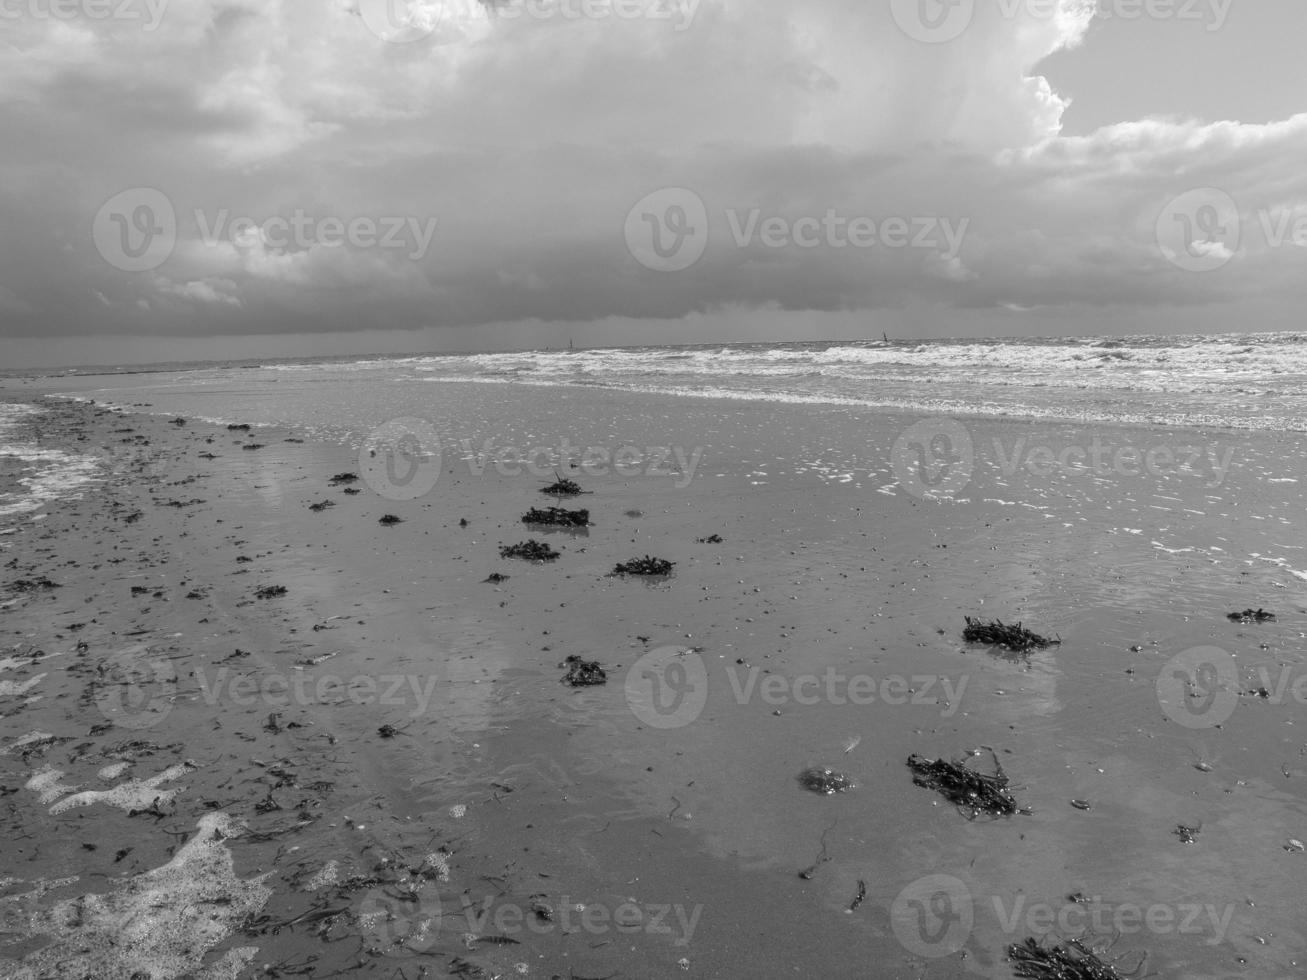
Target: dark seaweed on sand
[(998, 633), (270, 592), (390, 519), (531, 550), (644, 566), (972, 792), (1250, 616), (1072, 960), (820, 779), (583, 673), (557, 517), (340, 478), (563, 487)]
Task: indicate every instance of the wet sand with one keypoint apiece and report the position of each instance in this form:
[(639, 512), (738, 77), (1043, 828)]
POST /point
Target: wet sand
[(594, 835)]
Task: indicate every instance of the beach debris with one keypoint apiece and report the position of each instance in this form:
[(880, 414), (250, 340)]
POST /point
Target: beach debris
[(1295, 845), (390, 731), (462, 522), (644, 566), (239, 427), (563, 487), (972, 792), (496, 578), (583, 673), (390, 519), (529, 550), (177, 422), (557, 517), (852, 744), (1251, 616), (1072, 960), (158, 924), (309, 661), (321, 505), (858, 898), (254, 445), (32, 584), (822, 857), (711, 539), (270, 591), (823, 780), (341, 479), (1081, 804), (1186, 833), (998, 633)]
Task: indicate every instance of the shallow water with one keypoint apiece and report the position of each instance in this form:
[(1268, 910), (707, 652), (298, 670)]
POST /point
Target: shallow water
[(840, 561)]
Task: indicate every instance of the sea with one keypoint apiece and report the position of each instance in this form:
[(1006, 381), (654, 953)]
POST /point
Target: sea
[(1221, 384)]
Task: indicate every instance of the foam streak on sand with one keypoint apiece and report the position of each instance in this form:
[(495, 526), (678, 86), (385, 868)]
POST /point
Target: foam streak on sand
[(31, 475), (158, 924)]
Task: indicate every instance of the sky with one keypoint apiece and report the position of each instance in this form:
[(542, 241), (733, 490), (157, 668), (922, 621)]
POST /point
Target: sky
[(195, 179)]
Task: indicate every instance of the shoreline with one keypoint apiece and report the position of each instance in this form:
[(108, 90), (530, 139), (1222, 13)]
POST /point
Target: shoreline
[(569, 796)]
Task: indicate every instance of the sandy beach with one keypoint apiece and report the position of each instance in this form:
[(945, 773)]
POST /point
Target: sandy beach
[(379, 771)]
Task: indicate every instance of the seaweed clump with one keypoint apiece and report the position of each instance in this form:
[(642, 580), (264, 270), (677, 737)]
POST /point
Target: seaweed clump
[(999, 633), (1072, 960), (583, 673), (390, 520), (530, 550), (270, 592), (563, 487), (820, 779), (971, 792), (644, 566), (343, 478), (557, 517), (1251, 616)]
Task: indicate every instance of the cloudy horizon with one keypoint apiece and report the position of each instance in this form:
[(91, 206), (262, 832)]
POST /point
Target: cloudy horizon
[(218, 180)]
